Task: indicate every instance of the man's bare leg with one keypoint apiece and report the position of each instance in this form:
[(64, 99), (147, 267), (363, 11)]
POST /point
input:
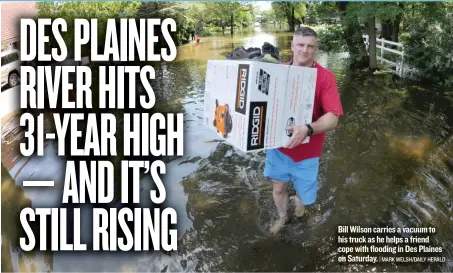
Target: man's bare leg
[(300, 208), (281, 200)]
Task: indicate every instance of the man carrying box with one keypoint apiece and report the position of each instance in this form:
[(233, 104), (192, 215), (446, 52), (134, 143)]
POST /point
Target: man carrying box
[(297, 161)]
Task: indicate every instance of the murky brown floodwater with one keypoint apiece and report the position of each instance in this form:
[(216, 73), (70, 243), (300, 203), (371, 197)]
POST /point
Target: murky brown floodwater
[(383, 167)]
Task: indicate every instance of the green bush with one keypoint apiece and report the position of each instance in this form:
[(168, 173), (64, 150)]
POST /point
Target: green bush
[(331, 39), (210, 30), (428, 48)]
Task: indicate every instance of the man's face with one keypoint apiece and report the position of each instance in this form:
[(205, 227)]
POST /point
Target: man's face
[(304, 50)]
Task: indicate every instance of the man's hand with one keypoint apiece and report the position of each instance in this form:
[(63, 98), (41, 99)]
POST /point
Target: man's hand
[(326, 122), (299, 134)]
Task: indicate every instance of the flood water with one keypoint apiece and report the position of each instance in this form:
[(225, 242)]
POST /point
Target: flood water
[(383, 167)]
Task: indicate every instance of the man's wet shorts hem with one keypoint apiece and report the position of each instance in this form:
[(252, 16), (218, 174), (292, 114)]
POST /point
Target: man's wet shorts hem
[(303, 174)]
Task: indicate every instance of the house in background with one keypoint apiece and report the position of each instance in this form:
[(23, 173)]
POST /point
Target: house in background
[(11, 14)]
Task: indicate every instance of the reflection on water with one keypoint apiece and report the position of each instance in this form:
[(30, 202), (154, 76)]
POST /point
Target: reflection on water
[(384, 166)]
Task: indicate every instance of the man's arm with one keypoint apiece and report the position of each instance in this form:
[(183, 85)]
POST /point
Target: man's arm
[(331, 106), (326, 122)]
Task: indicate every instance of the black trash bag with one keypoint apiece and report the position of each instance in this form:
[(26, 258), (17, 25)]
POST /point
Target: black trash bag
[(239, 53), (267, 53), (268, 48)]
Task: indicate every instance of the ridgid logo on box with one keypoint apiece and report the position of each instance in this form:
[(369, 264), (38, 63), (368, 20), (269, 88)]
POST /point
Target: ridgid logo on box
[(257, 123), (241, 93)]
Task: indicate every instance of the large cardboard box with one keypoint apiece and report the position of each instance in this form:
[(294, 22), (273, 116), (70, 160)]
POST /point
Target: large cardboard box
[(251, 103)]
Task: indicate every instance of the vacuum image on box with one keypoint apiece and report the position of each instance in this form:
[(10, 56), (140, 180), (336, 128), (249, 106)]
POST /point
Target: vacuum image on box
[(222, 119), (291, 122)]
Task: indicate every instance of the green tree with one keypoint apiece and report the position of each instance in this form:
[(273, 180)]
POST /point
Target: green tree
[(352, 33), (391, 24), (428, 40), (368, 12), (293, 12), (268, 16), (322, 12), (87, 10), (224, 13), (178, 11)]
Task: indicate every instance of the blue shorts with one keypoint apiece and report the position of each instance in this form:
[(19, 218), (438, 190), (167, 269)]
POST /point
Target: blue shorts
[(304, 174)]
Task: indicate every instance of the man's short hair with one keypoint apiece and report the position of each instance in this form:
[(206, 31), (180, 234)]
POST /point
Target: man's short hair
[(305, 31)]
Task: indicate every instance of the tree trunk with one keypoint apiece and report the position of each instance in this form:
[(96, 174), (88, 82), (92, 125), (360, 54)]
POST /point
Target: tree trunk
[(352, 33), (396, 26), (387, 30), (232, 24), (290, 18), (396, 31), (371, 23)]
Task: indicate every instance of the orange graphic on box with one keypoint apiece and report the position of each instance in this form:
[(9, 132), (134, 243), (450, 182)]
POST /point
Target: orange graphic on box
[(222, 119)]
